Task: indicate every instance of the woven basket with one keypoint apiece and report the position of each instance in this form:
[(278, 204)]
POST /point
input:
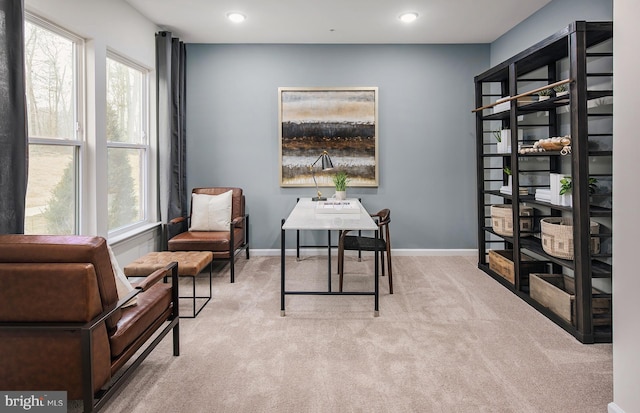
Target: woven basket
[(557, 237), (502, 220)]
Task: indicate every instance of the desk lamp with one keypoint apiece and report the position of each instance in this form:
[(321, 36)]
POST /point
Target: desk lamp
[(326, 165)]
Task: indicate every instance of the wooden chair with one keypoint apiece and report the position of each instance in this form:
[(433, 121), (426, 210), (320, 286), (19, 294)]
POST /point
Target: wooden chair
[(362, 243), (226, 244)]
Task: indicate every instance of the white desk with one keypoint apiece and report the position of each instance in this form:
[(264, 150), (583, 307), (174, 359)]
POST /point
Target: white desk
[(305, 217)]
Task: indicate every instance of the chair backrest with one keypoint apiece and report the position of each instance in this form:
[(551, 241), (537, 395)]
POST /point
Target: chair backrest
[(383, 219), (69, 249), (237, 198)]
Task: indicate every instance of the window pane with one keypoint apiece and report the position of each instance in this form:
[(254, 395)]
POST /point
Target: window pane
[(125, 168), (51, 192), (50, 78), (125, 89)]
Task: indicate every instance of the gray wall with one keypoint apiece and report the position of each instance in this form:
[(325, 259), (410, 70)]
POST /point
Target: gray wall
[(548, 20), (426, 131)]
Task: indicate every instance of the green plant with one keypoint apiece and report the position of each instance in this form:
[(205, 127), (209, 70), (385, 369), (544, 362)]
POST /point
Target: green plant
[(506, 170), (498, 135), (545, 92), (560, 88), (566, 185), (340, 180)]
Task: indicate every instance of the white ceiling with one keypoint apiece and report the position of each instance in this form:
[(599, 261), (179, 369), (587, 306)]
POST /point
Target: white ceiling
[(338, 21)]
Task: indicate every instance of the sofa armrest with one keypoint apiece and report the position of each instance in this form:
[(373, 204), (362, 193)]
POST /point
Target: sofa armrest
[(238, 222), (177, 220), (154, 277)]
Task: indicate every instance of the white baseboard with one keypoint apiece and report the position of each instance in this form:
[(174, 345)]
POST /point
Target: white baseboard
[(613, 408), (394, 252)]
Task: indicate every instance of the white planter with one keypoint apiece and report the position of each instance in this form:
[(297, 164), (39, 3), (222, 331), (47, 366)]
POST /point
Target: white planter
[(340, 195), (566, 200), (504, 146)]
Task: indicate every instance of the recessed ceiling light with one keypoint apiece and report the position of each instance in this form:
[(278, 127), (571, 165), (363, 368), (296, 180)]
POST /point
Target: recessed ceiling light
[(236, 17), (408, 17)]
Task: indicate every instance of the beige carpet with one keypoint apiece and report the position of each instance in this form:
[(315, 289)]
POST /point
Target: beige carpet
[(450, 339)]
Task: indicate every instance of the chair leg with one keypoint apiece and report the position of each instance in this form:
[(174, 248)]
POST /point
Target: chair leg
[(390, 270), (246, 236), (231, 267)]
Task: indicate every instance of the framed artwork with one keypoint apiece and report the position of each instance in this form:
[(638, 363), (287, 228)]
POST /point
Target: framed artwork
[(341, 121)]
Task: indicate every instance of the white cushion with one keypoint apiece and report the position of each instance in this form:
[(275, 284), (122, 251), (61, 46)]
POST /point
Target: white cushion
[(122, 282), (211, 212)]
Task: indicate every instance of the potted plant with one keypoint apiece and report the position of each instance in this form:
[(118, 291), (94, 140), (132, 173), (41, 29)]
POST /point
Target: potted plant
[(340, 180), (504, 140), (545, 94), (561, 90), (507, 189), (566, 186)]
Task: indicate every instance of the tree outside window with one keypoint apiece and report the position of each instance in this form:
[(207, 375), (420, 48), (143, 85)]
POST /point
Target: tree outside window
[(127, 142), (52, 57)]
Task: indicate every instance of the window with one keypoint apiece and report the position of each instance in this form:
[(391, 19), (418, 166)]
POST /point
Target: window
[(53, 59), (127, 143)]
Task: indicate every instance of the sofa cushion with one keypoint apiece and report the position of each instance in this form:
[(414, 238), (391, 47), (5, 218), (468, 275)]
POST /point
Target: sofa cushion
[(15, 248), (211, 212), (152, 303), (65, 293), (123, 285)]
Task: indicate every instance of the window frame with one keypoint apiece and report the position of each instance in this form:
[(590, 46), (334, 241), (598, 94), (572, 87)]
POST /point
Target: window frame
[(146, 147), (79, 113)]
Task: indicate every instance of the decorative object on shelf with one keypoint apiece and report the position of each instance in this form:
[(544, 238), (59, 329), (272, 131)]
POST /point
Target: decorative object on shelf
[(504, 139), (557, 292), (502, 104), (501, 261), (557, 237), (561, 90), (545, 94), (507, 189), (342, 120), (557, 143), (340, 180), (565, 185), (326, 165), (502, 220)]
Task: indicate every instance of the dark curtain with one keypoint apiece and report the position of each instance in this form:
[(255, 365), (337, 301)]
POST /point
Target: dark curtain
[(171, 104), (13, 124)]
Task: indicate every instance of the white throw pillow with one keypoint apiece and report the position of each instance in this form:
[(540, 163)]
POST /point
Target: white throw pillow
[(122, 282), (211, 212)]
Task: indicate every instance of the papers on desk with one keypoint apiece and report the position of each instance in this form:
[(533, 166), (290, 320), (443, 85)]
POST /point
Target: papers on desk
[(337, 207)]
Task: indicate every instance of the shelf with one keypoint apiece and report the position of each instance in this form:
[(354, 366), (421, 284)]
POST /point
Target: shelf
[(541, 66), (552, 103), (599, 269)]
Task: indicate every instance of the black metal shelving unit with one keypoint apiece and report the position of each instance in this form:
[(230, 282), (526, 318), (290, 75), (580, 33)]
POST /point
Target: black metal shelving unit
[(581, 56)]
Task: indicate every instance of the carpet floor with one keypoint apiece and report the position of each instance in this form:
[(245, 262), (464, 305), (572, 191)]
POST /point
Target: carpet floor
[(450, 339)]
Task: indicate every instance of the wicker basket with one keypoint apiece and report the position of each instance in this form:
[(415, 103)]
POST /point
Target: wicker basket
[(557, 237), (502, 220)]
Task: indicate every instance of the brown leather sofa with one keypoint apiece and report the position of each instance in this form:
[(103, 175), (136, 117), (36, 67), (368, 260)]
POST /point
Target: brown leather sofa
[(62, 326)]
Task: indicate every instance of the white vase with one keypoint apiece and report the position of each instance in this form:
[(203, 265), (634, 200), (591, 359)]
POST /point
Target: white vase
[(341, 195)]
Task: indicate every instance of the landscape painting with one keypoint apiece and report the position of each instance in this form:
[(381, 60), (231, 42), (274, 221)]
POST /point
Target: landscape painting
[(341, 121)]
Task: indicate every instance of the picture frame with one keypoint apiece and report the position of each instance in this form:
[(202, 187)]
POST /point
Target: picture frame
[(340, 120)]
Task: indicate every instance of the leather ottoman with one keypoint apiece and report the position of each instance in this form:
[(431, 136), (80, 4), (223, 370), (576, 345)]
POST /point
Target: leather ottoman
[(190, 264)]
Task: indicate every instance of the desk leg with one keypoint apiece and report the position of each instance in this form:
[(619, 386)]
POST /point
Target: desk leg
[(329, 258), (376, 313), (282, 269)]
